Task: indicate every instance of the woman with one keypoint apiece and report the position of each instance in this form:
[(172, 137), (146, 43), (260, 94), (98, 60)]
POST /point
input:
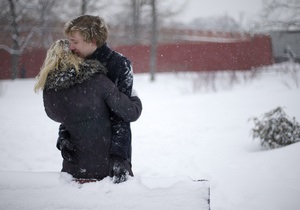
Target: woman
[(77, 93)]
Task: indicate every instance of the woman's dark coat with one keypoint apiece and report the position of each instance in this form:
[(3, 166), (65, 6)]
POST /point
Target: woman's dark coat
[(82, 103)]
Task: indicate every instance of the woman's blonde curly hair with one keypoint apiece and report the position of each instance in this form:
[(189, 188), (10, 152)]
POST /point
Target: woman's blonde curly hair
[(59, 57)]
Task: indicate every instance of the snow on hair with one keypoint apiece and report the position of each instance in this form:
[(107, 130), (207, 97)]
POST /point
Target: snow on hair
[(90, 28), (59, 57)]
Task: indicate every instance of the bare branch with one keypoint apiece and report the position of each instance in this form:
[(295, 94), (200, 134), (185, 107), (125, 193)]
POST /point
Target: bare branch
[(9, 50), (280, 14)]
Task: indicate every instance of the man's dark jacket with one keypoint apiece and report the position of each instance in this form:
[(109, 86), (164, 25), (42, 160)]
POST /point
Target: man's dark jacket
[(82, 103), (119, 71)]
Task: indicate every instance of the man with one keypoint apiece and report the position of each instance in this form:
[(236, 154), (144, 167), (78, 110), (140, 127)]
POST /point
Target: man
[(87, 35)]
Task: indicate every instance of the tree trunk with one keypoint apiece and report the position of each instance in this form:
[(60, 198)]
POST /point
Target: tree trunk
[(15, 65), (16, 48), (153, 50), (136, 7), (83, 7)]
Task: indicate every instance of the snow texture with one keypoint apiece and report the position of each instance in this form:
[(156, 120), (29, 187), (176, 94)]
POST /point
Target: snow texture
[(29, 190), (186, 132)]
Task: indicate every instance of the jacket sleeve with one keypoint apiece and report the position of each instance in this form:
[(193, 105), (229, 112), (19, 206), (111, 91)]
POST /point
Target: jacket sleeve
[(122, 76), (48, 109), (128, 108), (125, 80)]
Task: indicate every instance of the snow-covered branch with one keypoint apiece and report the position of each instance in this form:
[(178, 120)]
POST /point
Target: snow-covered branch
[(9, 50)]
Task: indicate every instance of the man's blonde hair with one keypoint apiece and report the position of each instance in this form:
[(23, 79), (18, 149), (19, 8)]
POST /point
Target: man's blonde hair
[(59, 57), (91, 28)]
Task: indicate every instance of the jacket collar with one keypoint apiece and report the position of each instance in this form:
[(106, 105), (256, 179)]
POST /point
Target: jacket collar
[(58, 79), (102, 54)]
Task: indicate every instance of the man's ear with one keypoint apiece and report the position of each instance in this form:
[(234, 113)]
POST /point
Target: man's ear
[(94, 42)]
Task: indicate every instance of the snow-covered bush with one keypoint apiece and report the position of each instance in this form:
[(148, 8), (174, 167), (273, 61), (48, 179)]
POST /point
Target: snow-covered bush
[(275, 129)]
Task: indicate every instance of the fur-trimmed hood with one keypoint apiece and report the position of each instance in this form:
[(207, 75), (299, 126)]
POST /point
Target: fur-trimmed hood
[(58, 79)]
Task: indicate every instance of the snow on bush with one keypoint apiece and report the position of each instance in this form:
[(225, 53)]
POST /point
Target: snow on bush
[(275, 129)]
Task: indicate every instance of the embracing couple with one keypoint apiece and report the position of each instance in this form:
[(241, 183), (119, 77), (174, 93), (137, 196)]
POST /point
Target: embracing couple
[(87, 88)]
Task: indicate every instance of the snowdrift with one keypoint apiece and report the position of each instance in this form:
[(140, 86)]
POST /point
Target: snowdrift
[(46, 190)]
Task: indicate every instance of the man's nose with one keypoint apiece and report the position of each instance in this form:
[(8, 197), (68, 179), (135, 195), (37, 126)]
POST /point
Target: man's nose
[(72, 47)]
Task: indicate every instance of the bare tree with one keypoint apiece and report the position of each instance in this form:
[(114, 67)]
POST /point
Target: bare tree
[(137, 6), (153, 50), (223, 23), (83, 6), (92, 6), (137, 29), (15, 51), (279, 14), (12, 18), (69, 9), (46, 18), (143, 28), (21, 21)]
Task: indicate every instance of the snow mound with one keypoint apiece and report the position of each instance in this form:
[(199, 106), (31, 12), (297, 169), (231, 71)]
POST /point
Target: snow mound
[(46, 190)]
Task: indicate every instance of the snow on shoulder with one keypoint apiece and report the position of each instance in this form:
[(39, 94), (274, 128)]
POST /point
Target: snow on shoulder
[(46, 190)]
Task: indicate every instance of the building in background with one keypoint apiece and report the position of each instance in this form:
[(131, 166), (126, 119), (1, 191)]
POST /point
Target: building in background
[(285, 46)]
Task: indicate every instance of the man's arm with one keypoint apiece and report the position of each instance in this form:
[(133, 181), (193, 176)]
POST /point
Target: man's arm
[(120, 150), (121, 132), (125, 81)]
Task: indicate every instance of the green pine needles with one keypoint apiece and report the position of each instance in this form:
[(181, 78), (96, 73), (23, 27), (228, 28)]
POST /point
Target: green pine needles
[(275, 129)]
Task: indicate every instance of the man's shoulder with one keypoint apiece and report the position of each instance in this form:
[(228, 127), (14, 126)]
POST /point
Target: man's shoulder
[(108, 53), (120, 56), (119, 60)]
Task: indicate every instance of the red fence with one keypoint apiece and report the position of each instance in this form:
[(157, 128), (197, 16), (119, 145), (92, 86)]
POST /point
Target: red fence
[(29, 64), (190, 56)]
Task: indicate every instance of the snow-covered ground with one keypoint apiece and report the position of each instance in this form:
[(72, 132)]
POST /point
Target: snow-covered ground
[(193, 126)]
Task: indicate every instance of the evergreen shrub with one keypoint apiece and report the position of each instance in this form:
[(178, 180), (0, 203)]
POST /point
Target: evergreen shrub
[(275, 129)]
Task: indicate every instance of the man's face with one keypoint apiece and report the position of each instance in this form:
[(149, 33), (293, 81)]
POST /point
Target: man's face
[(79, 46)]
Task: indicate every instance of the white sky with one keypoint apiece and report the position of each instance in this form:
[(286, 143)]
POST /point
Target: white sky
[(209, 8)]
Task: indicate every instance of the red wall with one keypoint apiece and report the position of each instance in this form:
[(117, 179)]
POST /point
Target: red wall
[(5, 65), (193, 56), (190, 56), (30, 60)]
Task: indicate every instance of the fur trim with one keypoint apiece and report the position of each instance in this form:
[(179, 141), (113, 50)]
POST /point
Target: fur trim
[(64, 79)]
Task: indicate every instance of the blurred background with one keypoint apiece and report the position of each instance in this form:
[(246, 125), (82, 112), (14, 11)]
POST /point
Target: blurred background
[(157, 36)]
